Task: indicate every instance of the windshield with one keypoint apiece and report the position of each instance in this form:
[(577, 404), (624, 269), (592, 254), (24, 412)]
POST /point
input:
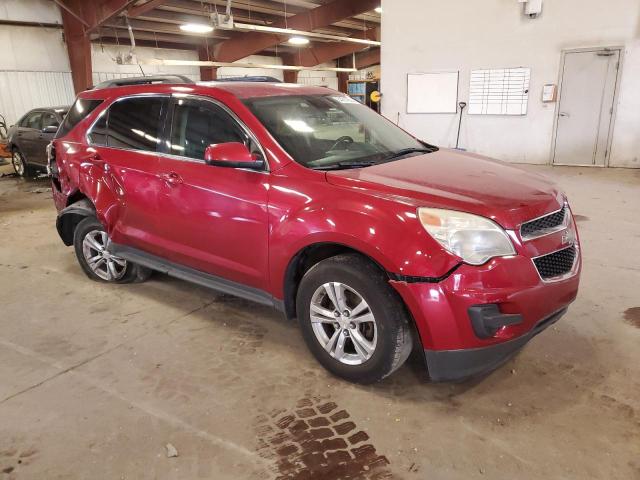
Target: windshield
[(333, 131)]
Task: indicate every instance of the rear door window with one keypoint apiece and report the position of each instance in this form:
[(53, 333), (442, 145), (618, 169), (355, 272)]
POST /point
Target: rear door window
[(135, 123), (196, 124), (80, 109)]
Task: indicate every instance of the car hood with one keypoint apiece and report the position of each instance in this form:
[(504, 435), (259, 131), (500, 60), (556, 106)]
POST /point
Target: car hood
[(459, 181)]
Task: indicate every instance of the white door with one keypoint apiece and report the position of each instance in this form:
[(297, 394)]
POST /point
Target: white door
[(585, 108)]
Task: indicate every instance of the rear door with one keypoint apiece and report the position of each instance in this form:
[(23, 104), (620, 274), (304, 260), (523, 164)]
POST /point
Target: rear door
[(214, 219), (125, 141)]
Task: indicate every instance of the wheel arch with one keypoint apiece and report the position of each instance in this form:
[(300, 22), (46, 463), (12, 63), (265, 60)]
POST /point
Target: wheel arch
[(79, 207), (306, 258)]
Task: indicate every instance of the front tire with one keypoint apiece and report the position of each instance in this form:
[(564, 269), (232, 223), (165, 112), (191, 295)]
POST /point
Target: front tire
[(90, 241), (351, 319)]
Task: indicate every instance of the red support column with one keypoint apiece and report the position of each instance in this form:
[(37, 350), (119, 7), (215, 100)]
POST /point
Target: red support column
[(291, 76), (343, 82), (79, 50), (207, 74)]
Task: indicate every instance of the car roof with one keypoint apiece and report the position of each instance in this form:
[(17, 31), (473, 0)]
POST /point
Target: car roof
[(239, 89)]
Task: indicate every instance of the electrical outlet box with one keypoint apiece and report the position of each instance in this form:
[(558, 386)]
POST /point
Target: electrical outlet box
[(222, 21), (549, 93), (533, 8)]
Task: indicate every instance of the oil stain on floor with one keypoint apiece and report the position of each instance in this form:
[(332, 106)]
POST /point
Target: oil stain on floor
[(580, 218), (318, 440), (632, 316)]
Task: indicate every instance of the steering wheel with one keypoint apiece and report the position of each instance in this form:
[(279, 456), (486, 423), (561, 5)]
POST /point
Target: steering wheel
[(346, 139)]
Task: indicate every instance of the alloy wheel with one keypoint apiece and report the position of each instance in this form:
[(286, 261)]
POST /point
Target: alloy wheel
[(343, 323), (105, 265), (18, 163)]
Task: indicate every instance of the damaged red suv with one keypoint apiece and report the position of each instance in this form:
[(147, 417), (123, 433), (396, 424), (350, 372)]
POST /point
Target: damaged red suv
[(303, 199)]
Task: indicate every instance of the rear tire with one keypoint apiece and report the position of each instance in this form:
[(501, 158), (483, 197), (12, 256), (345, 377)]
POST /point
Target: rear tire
[(90, 240), (20, 165), (371, 337)]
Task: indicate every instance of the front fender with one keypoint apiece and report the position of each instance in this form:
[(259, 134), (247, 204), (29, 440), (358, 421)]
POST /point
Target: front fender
[(387, 231)]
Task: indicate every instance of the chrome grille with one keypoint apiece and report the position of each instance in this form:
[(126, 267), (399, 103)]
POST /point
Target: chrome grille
[(556, 264), (545, 225)]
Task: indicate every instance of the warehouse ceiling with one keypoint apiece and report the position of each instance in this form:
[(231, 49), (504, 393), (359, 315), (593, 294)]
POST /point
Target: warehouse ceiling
[(156, 23)]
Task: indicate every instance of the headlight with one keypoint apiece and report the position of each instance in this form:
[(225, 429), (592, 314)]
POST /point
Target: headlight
[(474, 239)]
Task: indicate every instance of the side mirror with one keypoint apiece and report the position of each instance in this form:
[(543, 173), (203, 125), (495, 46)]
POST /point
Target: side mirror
[(232, 154), (50, 129)]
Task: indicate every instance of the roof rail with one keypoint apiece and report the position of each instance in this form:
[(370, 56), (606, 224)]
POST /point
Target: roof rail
[(249, 78), (121, 82)]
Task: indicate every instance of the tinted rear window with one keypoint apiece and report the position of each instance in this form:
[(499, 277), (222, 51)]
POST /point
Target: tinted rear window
[(80, 109), (136, 123)]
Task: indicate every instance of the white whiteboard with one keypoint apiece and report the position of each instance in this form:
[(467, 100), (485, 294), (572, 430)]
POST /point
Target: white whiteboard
[(499, 91), (434, 92)]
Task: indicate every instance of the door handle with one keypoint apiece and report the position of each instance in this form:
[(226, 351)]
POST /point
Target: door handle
[(172, 178), (98, 161), (96, 158), (563, 114)]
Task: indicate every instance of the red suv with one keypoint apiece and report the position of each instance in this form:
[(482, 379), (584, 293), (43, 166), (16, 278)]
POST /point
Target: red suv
[(303, 199)]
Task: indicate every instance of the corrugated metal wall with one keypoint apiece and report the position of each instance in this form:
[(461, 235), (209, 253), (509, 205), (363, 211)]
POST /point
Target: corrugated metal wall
[(20, 91)]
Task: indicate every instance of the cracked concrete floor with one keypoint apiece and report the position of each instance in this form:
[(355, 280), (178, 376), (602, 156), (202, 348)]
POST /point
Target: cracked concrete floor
[(96, 380)]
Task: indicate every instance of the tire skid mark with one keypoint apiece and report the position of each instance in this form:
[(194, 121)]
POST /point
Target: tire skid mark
[(318, 440)]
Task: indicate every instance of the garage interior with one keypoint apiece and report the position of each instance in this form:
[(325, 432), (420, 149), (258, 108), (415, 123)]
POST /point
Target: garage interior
[(166, 379)]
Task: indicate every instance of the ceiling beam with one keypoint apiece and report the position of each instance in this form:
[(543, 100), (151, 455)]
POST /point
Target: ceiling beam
[(368, 58), (309, 57), (147, 43), (160, 27), (91, 15), (322, 16), (137, 10)]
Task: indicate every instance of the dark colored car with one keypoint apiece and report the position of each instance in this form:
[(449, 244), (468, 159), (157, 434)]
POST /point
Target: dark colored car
[(303, 199), (28, 139)]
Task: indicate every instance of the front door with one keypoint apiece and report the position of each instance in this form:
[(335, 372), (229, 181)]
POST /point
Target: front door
[(28, 134), (585, 108), (214, 219), (44, 138)]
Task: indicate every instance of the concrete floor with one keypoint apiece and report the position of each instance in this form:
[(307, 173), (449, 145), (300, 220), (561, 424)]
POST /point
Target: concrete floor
[(96, 380)]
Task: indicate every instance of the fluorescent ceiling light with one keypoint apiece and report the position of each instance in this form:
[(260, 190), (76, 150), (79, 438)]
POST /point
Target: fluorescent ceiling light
[(378, 9), (199, 63), (249, 27), (196, 28), (298, 41)]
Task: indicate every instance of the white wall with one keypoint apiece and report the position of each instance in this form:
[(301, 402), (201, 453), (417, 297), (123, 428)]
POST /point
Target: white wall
[(44, 11), (465, 35), (319, 78), (225, 72)]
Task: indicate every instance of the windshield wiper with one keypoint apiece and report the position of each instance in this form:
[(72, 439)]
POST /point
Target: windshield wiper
[(345, 165), (406, 151)]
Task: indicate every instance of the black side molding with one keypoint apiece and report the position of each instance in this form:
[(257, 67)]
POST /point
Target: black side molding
[(411, 279), (194, 276)]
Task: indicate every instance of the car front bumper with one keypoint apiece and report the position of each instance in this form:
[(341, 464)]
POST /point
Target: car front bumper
[(458, 365), (454, 347)]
